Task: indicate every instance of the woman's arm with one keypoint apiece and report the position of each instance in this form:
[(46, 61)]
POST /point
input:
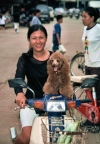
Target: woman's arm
[(20, 73)]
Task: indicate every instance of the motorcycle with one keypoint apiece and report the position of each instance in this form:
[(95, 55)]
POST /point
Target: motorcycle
[(71, 15), (77, 15), (55, 127)]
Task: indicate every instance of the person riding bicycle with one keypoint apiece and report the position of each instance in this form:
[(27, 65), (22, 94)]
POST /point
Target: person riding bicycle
[(91, 42), (32, 66)]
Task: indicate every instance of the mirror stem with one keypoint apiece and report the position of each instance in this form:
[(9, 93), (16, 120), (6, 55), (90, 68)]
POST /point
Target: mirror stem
[(31, 91)]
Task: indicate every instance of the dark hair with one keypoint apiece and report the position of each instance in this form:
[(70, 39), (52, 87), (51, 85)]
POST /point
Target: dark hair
[(93, 12), (34, 28), (58, 17), (0, 15), (36, 11), (32, 11)]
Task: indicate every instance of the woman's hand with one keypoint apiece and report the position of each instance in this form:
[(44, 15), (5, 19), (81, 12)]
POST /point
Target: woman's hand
[(59, 42), (20, 100)]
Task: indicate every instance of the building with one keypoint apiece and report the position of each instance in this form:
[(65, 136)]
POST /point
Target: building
[(54, 3)]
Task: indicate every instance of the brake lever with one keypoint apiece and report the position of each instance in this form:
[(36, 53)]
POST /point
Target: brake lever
[(16, 108)]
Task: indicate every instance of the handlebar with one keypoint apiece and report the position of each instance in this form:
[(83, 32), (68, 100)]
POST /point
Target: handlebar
[(86, 100), (77, 103), (55, 100), (39, 104)]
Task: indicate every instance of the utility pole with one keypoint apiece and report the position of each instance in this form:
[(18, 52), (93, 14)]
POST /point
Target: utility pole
[(77, 3)]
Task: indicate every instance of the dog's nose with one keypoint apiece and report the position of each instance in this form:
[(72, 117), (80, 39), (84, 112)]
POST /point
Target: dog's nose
[(54, 62)]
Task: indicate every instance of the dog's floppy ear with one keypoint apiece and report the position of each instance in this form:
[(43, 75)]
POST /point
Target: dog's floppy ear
[(49, 69), (48, 62)]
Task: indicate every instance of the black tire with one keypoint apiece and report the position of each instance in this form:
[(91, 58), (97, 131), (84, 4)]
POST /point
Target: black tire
[(80, 94), (77, 65)]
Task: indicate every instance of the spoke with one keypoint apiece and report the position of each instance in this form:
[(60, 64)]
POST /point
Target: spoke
[(77, 65)]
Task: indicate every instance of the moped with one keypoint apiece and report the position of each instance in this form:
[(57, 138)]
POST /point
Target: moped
[(71, 15), (56, 127), (77, 15)]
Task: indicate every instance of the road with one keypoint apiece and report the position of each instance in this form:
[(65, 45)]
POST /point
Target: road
[(11, 47)]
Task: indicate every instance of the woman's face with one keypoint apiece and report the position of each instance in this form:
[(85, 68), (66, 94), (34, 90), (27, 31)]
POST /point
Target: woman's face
[(38, 14), (87, 19), (38, 40)]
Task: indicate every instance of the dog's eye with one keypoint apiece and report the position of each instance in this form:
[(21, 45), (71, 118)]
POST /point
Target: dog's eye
[(58, 60), (51, 61)]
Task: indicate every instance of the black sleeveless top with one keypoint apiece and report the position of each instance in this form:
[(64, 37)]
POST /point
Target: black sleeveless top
[(35, 72)]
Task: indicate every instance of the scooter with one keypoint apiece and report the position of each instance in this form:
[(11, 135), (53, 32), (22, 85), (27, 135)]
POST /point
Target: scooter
[(51, 128), (77, 15), (71, 15)]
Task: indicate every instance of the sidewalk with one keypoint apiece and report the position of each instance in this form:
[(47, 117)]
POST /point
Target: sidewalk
[(11, 47)]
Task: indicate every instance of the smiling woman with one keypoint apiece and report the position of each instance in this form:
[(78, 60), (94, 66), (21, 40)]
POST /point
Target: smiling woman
[(38, 41), (31, 65)]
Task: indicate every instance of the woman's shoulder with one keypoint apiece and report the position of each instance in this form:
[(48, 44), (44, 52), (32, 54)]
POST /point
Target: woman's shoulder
[(97, 28), (98, 25), (85, 27), (27, 55)]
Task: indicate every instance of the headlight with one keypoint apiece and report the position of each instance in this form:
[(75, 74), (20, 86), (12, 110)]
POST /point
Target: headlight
[(56, 106)]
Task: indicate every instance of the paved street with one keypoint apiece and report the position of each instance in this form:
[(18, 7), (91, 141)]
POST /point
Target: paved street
[(11, 47)]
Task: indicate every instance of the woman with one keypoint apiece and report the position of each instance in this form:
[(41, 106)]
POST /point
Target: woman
[(91, 42), (35, 19), (31, 65)]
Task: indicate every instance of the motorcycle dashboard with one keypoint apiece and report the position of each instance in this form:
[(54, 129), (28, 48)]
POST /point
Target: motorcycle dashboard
[(55, 106)]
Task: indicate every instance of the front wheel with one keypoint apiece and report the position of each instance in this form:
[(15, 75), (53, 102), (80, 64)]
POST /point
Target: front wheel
[(77, 65)]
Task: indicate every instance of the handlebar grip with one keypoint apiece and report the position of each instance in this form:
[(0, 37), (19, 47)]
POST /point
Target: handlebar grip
[(86, 100)]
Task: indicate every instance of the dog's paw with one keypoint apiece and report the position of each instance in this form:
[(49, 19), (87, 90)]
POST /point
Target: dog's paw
[(69, 96)]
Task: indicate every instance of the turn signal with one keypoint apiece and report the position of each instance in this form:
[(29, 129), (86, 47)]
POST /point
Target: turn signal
[(39, 105), (71, 104)]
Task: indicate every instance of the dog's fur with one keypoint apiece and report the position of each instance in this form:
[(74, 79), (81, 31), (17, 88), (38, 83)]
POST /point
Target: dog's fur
[(58, 80)]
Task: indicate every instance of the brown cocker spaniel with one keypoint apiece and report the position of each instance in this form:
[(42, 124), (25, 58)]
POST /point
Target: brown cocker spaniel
[(58, 80)]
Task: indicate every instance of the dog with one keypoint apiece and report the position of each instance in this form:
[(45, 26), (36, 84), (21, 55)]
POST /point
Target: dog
[(58, 81)]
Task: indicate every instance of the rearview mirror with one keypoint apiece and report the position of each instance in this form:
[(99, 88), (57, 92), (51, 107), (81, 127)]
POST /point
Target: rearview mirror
[(17, 82)]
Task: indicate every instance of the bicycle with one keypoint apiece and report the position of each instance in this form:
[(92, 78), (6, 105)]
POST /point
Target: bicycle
[(85, 85), (77, 64)]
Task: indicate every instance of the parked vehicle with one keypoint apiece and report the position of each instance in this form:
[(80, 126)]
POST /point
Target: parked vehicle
[(71, 15), (98, 20), (9, 21), (95, 4), (23, 20), (60, 11), (45, 16), (51, 12), (71, 12), (77, 13)]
